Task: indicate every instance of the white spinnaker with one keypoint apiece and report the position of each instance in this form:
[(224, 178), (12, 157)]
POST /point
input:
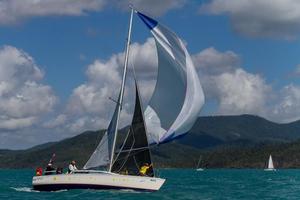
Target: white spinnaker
[(176, 101), (270, 164), (178, 96)]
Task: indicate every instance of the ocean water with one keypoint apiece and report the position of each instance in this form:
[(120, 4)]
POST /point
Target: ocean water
[(181, 184)]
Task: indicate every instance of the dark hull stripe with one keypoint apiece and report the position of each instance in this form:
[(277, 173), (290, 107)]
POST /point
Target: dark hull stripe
[(55, 187)]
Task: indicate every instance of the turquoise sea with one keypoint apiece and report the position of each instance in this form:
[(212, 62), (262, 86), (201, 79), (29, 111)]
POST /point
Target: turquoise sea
[(181, 184)]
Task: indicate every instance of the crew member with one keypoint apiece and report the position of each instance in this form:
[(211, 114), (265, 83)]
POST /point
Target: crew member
[(144, 169), (49, 169), (72, 167)]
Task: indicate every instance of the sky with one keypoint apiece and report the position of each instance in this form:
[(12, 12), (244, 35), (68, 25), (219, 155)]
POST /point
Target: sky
[(61, 60)]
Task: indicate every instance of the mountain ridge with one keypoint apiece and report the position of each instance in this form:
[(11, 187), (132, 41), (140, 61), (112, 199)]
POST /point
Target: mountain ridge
[(218, 138)]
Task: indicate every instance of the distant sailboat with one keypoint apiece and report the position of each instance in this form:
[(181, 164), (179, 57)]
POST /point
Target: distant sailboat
[(198, 165), (173, 109), (270, 164)]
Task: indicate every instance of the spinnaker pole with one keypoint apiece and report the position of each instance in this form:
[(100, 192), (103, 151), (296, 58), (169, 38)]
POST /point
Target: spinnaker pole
[(120, 100)]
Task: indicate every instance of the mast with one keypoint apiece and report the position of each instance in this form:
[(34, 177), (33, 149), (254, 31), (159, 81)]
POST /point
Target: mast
[(122, 88)]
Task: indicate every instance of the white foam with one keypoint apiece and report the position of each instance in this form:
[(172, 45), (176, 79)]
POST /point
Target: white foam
[(24, 189), (27, 189)]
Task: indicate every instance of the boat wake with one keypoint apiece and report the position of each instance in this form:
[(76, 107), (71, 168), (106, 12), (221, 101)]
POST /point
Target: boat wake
[(28, 189), (23, 189), (129, 191), (124, 191)]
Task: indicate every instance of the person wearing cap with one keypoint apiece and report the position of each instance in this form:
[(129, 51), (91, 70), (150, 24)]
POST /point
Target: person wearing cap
[(72, 167)]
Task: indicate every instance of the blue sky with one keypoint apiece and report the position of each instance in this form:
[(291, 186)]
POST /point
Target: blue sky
[(247, 60)]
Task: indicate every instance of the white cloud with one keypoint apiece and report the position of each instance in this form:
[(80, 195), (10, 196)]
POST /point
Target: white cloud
[(22, 98), (16, 67), (222, 77), (85, 123), (103, 82), (30, 99), (287, 106), (89, 106), (144, 59), (223, 80), (57, 121), (92, 98), (13, 11), (213, 62), (267, 18), (241, 92), (153, 7), (7, 123)]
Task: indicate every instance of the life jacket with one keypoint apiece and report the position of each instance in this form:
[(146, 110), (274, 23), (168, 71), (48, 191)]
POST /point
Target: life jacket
[(39, 171), (144, 169)]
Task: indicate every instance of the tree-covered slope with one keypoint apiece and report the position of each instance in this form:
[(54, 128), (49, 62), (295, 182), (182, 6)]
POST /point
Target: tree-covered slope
[(224, 141)]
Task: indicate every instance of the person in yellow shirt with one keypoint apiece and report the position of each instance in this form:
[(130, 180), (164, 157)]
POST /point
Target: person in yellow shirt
[(144, 169)]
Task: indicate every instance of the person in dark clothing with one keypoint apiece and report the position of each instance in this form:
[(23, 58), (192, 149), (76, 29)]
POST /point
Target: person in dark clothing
[(59, 170), (49, 169)]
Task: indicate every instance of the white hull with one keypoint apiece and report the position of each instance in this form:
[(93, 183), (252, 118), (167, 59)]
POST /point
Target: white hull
[(200, 169), (94, 180), (269, 169)]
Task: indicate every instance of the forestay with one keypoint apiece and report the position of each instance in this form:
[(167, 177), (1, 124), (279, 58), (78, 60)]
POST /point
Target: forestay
[(178, 96)]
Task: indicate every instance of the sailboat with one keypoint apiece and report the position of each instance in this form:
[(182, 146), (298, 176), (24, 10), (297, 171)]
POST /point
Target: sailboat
[(172, 110), (198, 165), (270, 164)]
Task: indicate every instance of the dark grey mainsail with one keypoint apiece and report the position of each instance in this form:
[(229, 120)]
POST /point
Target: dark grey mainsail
[(134, 152)]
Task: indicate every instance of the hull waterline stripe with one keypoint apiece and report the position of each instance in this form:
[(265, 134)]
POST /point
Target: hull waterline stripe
[(55, 187)]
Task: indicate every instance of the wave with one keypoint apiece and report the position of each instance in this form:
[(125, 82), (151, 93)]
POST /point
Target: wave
[(24, 189), (28, 189), (130, 191)]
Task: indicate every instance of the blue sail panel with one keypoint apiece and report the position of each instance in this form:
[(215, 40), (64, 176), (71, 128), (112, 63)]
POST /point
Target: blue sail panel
[(151, 23)]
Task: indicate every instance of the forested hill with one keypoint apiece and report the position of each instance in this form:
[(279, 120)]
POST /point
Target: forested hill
[(223, 141), (244, 128)]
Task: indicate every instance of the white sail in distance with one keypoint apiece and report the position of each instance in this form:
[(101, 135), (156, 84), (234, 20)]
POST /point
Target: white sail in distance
[(270, 164), (178, 96)]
